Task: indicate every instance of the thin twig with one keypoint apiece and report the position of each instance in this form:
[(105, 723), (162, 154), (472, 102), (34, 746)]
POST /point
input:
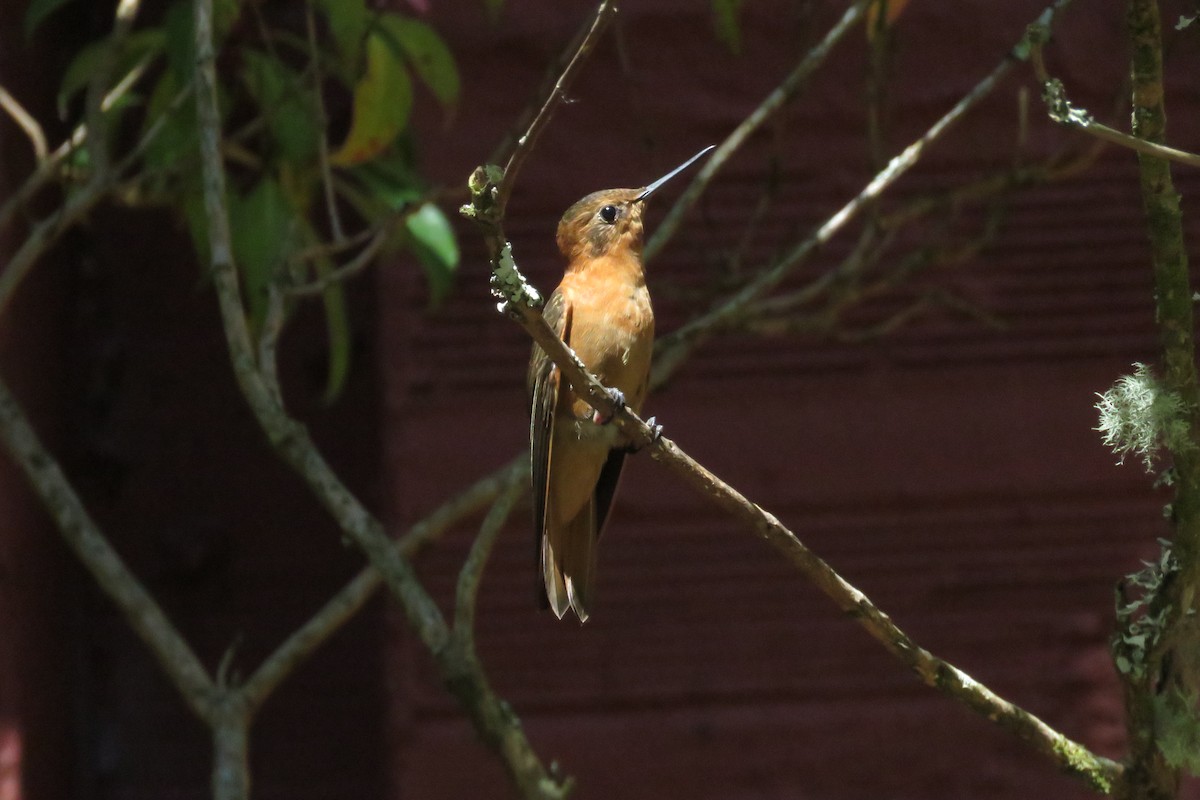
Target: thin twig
[(348, 270), (471, 574), (84, 537), (774, 101), (1061, 110), (348, 601), (493, 719), (331, 206), (27, 123), (671, 350), (48, 167), (526, 142), (74, 208), (97, 88)]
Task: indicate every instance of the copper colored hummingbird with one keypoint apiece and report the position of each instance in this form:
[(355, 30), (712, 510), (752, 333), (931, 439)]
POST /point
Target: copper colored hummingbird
[(602, 310)]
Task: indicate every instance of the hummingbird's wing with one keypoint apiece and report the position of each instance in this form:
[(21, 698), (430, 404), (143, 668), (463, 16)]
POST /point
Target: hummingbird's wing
[(543, 391), (606, 487)]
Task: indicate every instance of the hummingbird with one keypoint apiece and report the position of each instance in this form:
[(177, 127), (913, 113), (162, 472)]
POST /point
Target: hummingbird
[(602, 310)]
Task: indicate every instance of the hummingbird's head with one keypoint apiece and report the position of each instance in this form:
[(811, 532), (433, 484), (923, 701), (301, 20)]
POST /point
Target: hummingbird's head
[(609, 221), (601, 223)]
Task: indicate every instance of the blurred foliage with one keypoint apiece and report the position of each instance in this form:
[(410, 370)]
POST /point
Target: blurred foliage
[(316, 99)]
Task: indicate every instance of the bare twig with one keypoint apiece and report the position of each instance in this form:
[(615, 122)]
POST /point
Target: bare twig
[(1065, 113), (460, 668), (525, 143), (671, 350), (471, 574), (331, 206), (348, 270), (74, 208), (27, 123), (98, 557), (97, 89), (776, 100), (355, 594)]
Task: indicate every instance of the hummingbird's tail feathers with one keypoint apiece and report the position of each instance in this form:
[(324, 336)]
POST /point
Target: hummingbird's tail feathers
[(569, 563), (553, 583)]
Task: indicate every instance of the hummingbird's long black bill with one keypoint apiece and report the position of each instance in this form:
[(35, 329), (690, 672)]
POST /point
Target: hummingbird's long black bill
[(652, 188)]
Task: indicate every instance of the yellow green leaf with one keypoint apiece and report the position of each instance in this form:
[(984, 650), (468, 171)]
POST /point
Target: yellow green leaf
[(382, 102), (427, 54)]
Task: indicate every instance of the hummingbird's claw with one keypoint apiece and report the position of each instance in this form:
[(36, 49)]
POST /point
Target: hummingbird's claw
[(655, 434), (618, 399)]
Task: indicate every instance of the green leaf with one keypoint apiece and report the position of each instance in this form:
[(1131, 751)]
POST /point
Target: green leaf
[(177, 139), (348, 20), (263, 226), (134, 48), (286, 103), (434, 245), (178, 23), (1178, 728), (337, 328), (391, 180), (729, 29), (382, 102), (37, 12), (427, 54)]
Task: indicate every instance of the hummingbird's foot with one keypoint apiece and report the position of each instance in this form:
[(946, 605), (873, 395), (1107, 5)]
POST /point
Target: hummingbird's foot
[(618, 398), (655, 434)]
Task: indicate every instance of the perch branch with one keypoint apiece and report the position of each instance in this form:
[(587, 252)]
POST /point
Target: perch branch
[(1075, 759)]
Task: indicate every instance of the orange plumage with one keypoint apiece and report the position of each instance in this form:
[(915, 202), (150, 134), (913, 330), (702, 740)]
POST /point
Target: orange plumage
[(602, 310)]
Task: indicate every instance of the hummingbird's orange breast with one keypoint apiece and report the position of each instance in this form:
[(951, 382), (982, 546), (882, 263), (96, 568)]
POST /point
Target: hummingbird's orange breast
[(612, 328)]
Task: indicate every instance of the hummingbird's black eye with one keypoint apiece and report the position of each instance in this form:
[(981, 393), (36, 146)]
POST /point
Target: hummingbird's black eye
[(609, 214)]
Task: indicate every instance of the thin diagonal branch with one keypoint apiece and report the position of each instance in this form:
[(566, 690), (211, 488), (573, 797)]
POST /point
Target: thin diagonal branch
[(1065, 113), (471, 574), (773, 102), (74, 208), (526, 142), (93, 550), (673, 349), (26, 122), (355, 594), (460, 669), (1098, 772)]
